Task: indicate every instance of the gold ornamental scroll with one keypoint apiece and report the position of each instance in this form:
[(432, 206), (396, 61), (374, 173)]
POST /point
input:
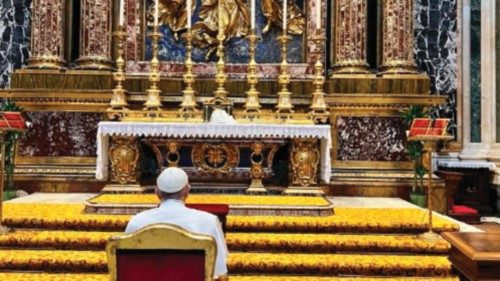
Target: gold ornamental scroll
[(397, 38), (350, 37), (95, 37), (47, 34)]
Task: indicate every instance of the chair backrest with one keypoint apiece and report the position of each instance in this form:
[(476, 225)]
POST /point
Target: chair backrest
[(161, 252)]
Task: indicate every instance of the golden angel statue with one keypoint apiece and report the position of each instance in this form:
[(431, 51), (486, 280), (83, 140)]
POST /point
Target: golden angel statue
[(273, 11), (235, 20)]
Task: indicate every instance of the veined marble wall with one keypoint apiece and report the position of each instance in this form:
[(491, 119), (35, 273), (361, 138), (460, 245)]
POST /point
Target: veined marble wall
[(436, 50), (14, 37)]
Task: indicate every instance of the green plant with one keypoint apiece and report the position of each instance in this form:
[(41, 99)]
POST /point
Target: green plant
[(10, 140), (415, 149)]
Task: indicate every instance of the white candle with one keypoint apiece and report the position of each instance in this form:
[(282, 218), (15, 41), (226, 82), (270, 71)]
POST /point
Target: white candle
[(284, 14), (157, 13), (253, 14), (122, 13), (219, 11), (189, 12), (318, 14)]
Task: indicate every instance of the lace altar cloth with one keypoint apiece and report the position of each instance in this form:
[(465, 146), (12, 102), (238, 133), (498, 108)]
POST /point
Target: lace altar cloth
[(211, 130)]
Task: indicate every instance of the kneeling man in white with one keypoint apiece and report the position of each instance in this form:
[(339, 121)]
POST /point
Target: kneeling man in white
[(172, 189)]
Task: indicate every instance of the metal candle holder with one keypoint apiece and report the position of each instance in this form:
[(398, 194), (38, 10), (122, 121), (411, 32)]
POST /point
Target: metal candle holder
[(221, 76), (119, 99), (284, 106), (188, 105), (153, 100), (252, 105), (318, 107)]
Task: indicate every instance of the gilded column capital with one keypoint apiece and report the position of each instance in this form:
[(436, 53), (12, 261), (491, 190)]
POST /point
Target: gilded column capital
[(47, 34)]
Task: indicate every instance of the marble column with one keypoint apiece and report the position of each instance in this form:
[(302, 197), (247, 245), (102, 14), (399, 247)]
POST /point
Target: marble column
[(397, 37), (47, 34), (95, 35), (350, 36)]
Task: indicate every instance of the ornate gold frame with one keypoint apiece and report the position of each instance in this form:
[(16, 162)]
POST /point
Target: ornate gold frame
[(162, 237), (363, 112)]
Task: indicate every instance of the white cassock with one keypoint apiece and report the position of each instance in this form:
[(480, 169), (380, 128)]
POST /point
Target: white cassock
[(175, 212)]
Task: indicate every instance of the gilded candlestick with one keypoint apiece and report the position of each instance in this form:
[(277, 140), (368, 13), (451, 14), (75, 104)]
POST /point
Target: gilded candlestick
[(119, 99), (188, 105), (221, 76), (153, 100), (284, 106), (318, 107), (252, 105)]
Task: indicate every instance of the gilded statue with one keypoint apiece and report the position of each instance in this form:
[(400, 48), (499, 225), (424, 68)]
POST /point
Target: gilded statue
[(273, 11), (235, 19)]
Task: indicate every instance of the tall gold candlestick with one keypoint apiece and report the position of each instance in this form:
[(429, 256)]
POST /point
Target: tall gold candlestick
[(318, 107), (119, 99), (252, 105), (221, 77), (284, 106), (153, 101), (188, 105)]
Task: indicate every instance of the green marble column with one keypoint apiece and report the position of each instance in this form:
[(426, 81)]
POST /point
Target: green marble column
[(475, 71)]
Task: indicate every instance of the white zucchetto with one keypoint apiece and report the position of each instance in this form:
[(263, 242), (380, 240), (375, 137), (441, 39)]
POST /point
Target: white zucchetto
[(172, 180)]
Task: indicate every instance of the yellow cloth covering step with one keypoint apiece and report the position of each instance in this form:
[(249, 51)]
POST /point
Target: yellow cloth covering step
[(245, 263), (276, 200), (354, 220), (104, 277), (268, 242)]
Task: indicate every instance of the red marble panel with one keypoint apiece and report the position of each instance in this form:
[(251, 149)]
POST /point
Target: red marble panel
[(370, 139), (61, 134)]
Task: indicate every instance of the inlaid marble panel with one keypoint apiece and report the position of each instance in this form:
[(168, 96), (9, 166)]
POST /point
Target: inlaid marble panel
[(436, 50), (14, 37), (370, 139), (61, 134)]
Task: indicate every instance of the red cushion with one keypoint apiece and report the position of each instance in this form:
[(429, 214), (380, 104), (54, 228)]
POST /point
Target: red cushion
[(159, 265), (216, 209), (463, 210)]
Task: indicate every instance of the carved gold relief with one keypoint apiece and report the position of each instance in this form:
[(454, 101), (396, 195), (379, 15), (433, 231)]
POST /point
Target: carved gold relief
[(47, 37), (350, 36), (173, 155), (256, 169), (235, 19), (215, 158), (273, 11), (124, 156), (305, 158)]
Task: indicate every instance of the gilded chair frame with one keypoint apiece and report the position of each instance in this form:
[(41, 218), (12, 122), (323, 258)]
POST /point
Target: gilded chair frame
[(153, 238)]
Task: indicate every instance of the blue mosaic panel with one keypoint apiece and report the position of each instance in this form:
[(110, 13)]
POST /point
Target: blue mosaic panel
[(268, 49)]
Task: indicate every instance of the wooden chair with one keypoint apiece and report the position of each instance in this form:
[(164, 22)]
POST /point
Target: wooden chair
[(161, 252)]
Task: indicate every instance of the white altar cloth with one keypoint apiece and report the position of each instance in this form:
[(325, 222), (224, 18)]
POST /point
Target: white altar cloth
[(211, 130)]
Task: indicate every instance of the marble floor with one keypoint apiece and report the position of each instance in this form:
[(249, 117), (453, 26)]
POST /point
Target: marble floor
[(355, 202)]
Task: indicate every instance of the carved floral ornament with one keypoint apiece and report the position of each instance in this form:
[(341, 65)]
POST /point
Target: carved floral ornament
[(235, 18)]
